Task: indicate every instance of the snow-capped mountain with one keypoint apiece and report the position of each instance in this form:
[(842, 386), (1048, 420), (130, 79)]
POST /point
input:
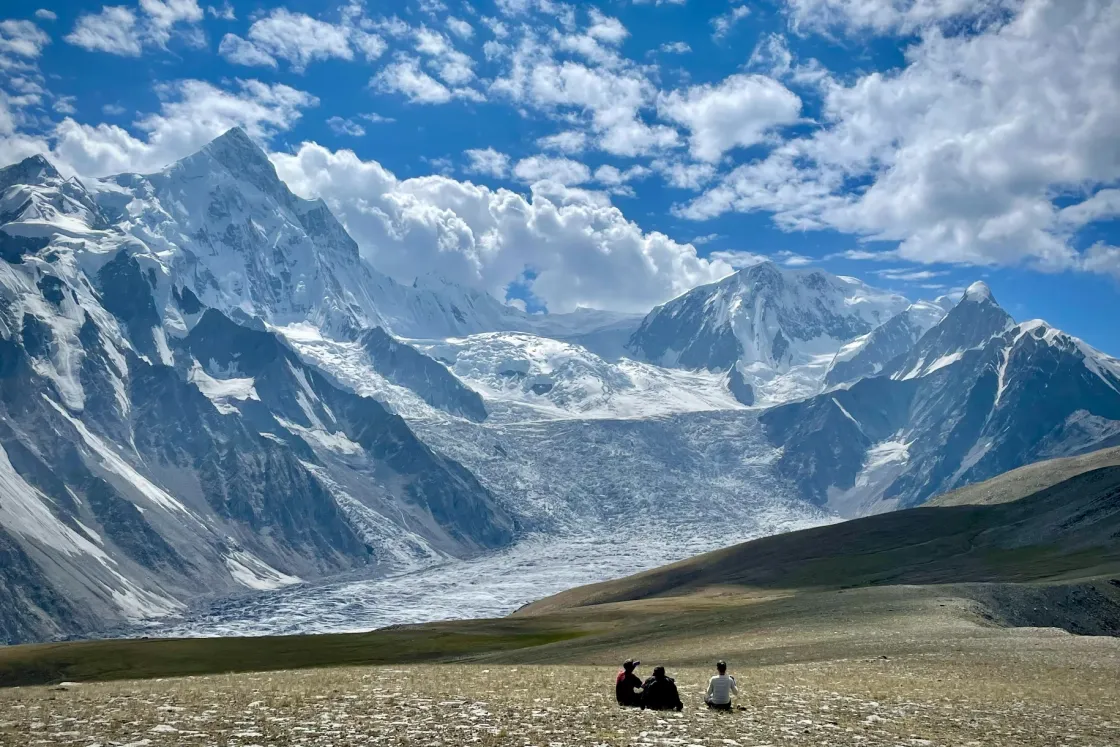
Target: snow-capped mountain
[(976, 396), (778, 328), (153, 450), (205, 390)]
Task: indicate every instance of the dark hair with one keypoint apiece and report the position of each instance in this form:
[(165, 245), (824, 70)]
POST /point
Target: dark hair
[(721, 666)]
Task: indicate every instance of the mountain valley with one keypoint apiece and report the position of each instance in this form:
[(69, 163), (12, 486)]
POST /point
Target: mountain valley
[(216, 417)]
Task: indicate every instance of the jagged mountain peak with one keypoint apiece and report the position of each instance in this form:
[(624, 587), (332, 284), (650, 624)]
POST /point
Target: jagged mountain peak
[(32, 170), (979, 292), (234, 147), (235, 153)]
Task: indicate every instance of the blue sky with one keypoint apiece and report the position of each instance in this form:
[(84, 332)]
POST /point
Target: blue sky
[(614, 155)]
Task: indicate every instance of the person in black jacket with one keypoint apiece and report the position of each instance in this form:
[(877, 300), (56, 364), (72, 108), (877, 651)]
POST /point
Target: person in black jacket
[(660, 693), (627, 686)]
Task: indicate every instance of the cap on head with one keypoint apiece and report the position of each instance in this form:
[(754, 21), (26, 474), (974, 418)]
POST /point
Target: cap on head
[(721, 666), (630, 664)]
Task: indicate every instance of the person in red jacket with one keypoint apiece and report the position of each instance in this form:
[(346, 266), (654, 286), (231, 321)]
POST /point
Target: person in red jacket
[(627, 686)]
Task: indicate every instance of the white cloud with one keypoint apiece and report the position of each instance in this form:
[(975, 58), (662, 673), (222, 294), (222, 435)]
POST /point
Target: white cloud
[(659, 2), (113, 110), (65, 104), (723, 24), (342, 126), (120, 30), (497, 28), (582, 249), (910, 276), (193, 113), (684, 175), (295, 37), (963, 150), (460, 28), (606, 29), (113, 30), (22, 39), (547, 168), (888, 16), (163, 15), (370, 45), (738, 259), (452, 66), (224, 13), (377, 118), (405, 77), (242, 52), (772, 55), (611, 100), (740, 111), (46, 15), (569, 141), (1102, 258), (612, 176), (677, 47), (487, 161), (1103, 205)]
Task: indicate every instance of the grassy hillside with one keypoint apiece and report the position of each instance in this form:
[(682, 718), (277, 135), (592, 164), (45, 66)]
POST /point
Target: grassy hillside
[(1019, 483)]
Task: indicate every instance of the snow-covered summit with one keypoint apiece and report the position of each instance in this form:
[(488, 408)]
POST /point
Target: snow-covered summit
[(780, 327), (979, 292)]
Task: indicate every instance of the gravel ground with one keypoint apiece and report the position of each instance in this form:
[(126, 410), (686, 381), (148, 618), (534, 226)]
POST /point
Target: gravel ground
[(1049, 699)]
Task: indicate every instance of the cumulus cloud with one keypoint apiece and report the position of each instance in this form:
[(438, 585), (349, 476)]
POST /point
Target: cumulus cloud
[(487, 161), (46, 15), (123, 31), (242, 52), (610, 99), (739, 111), (342, 126), (295, 37), (888, 16), (963, 150), (569, 141), (560, 170), (406, 78), (678, 47), (193, 113), (722, 25), (460, 28), (580, 250), (452, 66), (22, 39), (113, 30)]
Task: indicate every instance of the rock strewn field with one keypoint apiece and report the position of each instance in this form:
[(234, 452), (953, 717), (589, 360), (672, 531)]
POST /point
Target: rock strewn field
[(1060, 691)]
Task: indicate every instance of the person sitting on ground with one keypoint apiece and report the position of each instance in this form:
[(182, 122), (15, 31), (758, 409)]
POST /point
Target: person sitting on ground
[(720, 688), (627, 686), (660, 693)]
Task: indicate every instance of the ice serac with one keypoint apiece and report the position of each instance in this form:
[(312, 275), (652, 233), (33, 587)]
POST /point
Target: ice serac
[(780, 328), (406, 366), (978, 395)]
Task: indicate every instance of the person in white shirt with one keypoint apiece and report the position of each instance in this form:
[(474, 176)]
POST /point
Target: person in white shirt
[(720, 688)]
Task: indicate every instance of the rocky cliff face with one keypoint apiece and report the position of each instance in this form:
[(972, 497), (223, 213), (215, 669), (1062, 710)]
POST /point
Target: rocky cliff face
[(976, 396)]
